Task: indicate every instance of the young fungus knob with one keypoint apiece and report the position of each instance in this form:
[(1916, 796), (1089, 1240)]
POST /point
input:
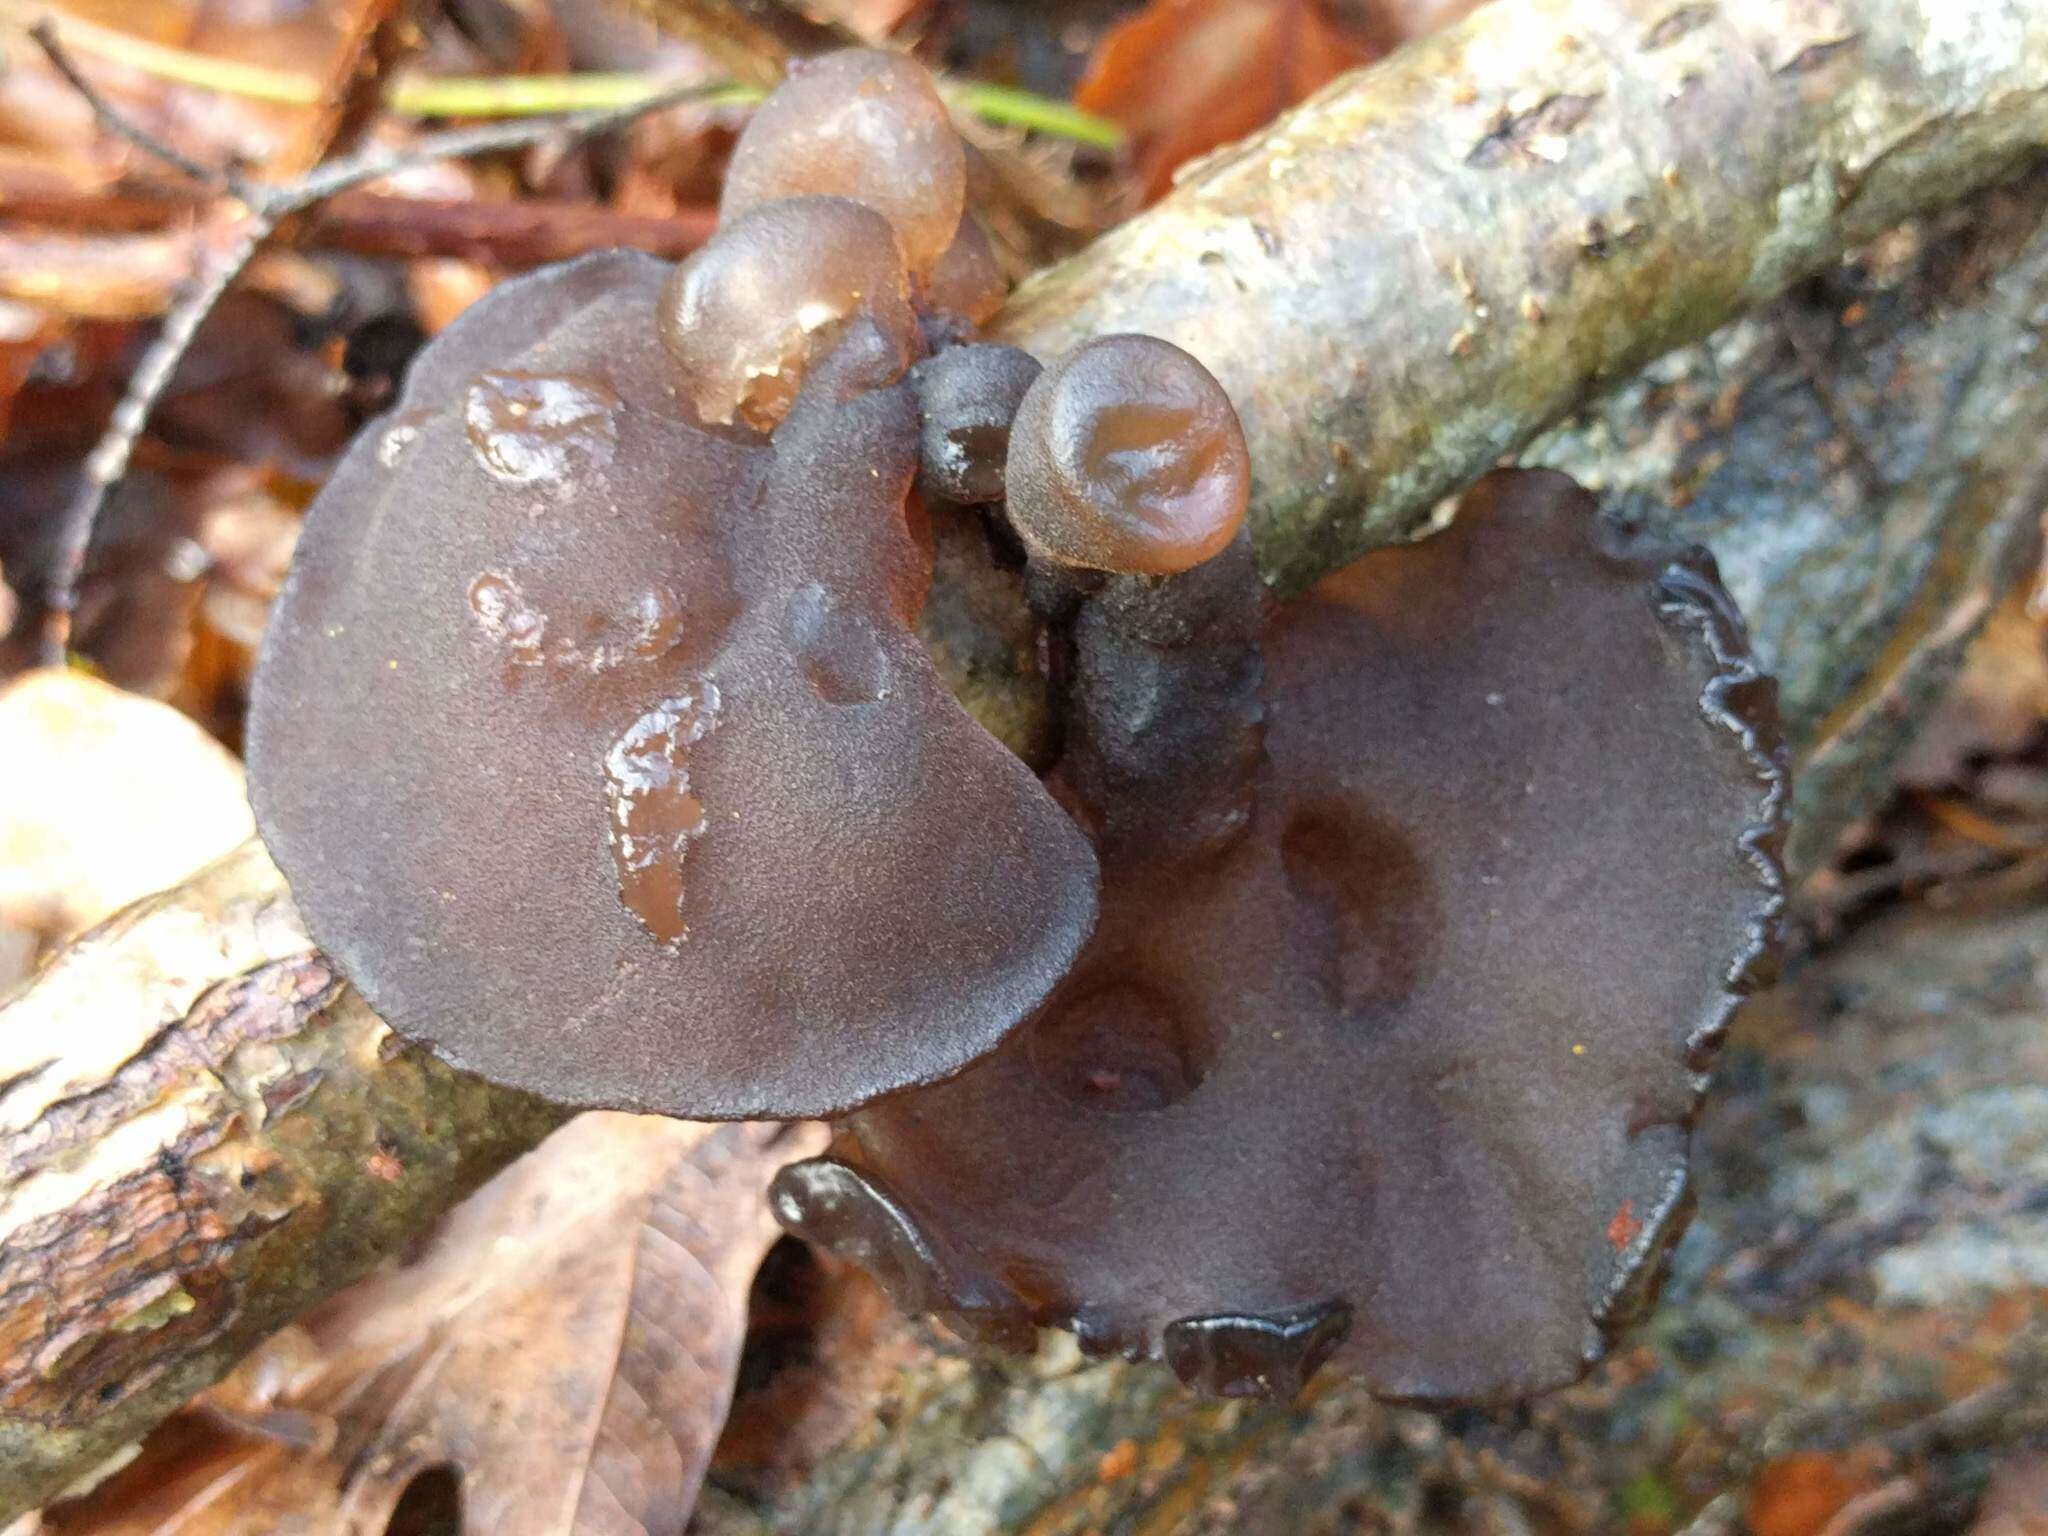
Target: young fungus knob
[(772, 294), (968, 396), (1126, 456), (862, 124)]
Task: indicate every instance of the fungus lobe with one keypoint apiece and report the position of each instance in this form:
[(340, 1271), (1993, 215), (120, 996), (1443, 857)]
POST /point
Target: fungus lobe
[(597, 748), (1368, 1073), (860, 123), (747, 316)]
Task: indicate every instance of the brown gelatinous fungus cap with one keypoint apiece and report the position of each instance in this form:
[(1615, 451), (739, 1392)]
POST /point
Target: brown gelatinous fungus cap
[(597, 748), (1126, 456), (1402, 1074), (967, 397), (967, 280), (863, 124), (772, 295)]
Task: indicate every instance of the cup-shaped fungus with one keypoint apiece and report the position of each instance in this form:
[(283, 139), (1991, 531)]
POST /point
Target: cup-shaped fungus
[(748, 315), (596, 744), (862, 124), (1401, 1071), (1126, 456)]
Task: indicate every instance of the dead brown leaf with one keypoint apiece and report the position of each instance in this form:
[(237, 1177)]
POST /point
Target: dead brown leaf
[(1184, 76), (565, 1347), (1996, 705), (1187, 76), (1798, 1495), (113, 42), (104, 798)]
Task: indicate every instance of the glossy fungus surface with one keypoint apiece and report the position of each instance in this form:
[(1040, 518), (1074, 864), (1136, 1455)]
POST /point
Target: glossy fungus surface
[(862, 124), (967, 280), (1127, 456), (1401, 1073), (774, 293), (596, 746), (967, 397)]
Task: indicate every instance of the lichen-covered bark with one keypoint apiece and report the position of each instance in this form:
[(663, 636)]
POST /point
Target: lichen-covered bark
[(1869, 485), (1437, 257), (1867, 1280), (203, 1130)]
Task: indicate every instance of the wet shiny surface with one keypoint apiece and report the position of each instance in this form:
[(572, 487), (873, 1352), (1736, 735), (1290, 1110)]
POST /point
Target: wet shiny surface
[(1397, 1067), (771, 296), (967, 397), (967, 280), (864, 124), (599, 752), (1127, 456)]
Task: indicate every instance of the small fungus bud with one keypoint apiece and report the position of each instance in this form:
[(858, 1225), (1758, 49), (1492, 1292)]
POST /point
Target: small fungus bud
[(1126, 456), (968, 397), (749, 314), (862, 124), (967, 280)]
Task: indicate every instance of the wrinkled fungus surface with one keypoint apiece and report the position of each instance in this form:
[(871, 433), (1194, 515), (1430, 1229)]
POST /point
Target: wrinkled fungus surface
[(597, 748), (1127, 456), (1400, 1071), (747, 316), (862, 124)]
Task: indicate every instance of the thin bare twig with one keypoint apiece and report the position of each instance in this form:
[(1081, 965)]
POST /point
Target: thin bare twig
[(268, 206)]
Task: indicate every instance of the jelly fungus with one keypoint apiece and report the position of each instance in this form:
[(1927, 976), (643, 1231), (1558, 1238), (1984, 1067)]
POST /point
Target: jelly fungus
[(772, 294), (1397, 1067), (594, 739), (863, 124), (967, 396), (967, 280), (1126, 456)]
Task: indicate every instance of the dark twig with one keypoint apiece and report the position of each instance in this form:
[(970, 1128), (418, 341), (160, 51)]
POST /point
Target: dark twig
[(268, 206)]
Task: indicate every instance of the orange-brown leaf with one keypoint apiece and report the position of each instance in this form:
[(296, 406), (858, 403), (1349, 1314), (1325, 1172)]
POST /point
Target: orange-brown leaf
[(1184, 76), (565, 1346)]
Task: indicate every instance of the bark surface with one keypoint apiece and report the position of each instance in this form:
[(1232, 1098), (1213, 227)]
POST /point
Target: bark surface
[(202, 1130), (1438, 257)]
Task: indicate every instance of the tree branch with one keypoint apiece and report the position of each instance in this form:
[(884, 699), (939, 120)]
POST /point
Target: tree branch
[(1438, 257), (1867, 555), (203, 1130)]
